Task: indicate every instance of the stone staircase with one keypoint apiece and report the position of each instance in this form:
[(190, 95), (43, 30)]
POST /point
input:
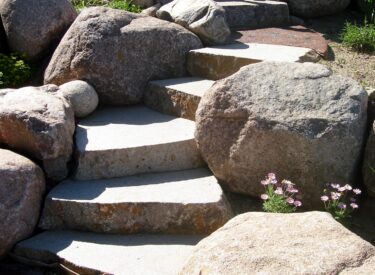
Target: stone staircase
[(141, 197)]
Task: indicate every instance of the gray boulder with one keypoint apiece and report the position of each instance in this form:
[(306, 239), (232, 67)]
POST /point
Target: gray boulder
[(268, 243), (316, 8), (32, 26), (205, 18), (368, 169), (119, 52), (21, 189), (295, 119), (39, 123), (81, 95)]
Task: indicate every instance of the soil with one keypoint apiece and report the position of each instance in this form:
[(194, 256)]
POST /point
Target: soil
[(341, 59)]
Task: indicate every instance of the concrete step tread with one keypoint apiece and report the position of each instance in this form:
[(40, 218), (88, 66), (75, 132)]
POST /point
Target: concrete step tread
[(190, 85), (123, 141), (196, 186), (184, 202), (129, 127), (88, 253), (254, 51)]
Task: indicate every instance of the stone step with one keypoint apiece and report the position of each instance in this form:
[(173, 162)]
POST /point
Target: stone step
[(92, 253), (184, 202), (123, 141), (178, 96), (222, 61), (255, 14)]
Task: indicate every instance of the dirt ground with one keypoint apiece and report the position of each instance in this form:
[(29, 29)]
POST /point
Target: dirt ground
[(342, 60)]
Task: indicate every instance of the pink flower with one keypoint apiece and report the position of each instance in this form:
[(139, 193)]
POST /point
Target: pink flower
[(292, 190), (297, 203), (342, 205), (265, 182), (264, 197), (335, 195), (348, 187), (357, 191), (324, 198), (335, 185), (279, 191), (271, 176), (342, 189), (290, 200), (288, 183), (354, 205)]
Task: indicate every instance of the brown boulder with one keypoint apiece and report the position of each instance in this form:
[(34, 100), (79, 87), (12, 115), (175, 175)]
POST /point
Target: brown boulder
[(297, 120), (118, 52), (40, 124), (268, 243), (21, 189)]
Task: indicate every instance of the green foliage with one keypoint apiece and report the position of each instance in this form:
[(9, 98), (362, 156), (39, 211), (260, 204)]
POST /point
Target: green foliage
[(277, 204), (368, 8), (14, 71), (115, 4), (279, 197), (360, 38)]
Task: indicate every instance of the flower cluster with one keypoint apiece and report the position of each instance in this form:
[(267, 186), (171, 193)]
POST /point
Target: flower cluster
[(279, 197), (340, 201)]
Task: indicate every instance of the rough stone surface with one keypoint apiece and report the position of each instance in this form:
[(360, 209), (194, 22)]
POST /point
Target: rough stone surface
[(117, 141), (369, 164), (118, 52), (265, 243), (36, 121), (184, 202), (219, 62), (255, 14), (32, 26), (316, 8), (205, 18), (89, 253), (81, 95), (177, 97), (296, 36), (297, 120), (21, 189), (151, 11)]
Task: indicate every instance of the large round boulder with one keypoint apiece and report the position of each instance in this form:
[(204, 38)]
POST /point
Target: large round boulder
[(369, 164), (268, 243), (33, 26), (21, 189), (40, 124), (295, 119), (119, 52), (316, 8)]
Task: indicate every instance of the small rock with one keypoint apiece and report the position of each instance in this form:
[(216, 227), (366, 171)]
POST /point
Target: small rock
[(81, 95), (21, 188), (295, 119), (205, 18), (151, 11), (32, 26), (316, 8), (369, 164), (35, 121), (268, 243), (118, 52)]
